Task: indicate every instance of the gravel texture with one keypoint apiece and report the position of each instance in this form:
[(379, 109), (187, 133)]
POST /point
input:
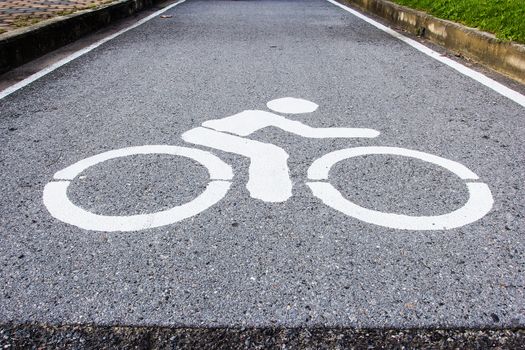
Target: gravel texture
[(95, 337)]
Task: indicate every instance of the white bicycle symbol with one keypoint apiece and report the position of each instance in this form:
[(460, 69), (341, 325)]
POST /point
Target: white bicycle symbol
[(269, 178)]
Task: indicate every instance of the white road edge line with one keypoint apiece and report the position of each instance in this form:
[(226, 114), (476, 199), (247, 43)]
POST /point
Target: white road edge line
[(490, 83), (58, 64)]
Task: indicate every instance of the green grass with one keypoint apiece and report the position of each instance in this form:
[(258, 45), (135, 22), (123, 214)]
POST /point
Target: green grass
[(504, 18)]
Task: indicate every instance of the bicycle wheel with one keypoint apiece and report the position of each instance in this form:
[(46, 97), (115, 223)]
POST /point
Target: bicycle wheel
[(59, 206), (478, 205)]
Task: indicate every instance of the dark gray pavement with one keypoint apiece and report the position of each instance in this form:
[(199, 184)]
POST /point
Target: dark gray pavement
[(119, 337), (244, 262)]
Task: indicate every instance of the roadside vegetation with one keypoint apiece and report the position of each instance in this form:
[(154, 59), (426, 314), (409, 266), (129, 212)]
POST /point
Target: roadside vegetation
[(504, 18)]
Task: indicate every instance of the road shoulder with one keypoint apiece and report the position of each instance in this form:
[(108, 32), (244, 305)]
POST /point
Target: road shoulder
[(507, 58)]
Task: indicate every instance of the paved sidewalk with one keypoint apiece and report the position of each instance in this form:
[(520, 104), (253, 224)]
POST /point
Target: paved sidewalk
[(21, 13)]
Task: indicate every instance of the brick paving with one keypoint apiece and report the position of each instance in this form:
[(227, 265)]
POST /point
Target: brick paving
[(21, 13)]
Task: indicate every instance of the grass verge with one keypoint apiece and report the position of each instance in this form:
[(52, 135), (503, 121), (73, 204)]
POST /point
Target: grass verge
[(504, 18)]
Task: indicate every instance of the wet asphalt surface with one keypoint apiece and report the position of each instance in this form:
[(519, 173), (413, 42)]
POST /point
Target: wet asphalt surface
[(243, 262)]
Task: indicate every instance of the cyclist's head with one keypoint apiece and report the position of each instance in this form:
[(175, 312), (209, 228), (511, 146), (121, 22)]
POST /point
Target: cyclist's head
[(292, 105)]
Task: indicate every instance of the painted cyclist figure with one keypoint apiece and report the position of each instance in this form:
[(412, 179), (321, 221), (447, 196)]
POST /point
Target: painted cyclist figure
[(269, 178)]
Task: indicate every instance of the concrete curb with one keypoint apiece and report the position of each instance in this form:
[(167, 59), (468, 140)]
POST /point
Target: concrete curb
[(22, 45), (507, 58)]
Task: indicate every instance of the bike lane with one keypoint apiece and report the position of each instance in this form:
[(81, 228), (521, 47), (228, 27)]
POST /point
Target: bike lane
[(244, 261)]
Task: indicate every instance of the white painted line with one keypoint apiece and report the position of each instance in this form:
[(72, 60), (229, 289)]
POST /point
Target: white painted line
[(43, 72), (483, 79), (217, 169), (62, 208), (320, 168), (250, 121), (479, 204), (269, 178)]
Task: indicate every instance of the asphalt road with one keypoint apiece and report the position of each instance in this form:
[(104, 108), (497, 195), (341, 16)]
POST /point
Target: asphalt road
[(243, 261)]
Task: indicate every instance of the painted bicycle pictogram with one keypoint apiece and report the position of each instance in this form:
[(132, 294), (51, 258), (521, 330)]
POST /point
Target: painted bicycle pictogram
[(269, 178)]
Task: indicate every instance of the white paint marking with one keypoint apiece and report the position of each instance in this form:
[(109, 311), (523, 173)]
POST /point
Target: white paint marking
[(217, 169), (320, 168), (60, 207), (292, 105), (250, 121), (479, 204), (490, 83), (269, 178), (54, 66)]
